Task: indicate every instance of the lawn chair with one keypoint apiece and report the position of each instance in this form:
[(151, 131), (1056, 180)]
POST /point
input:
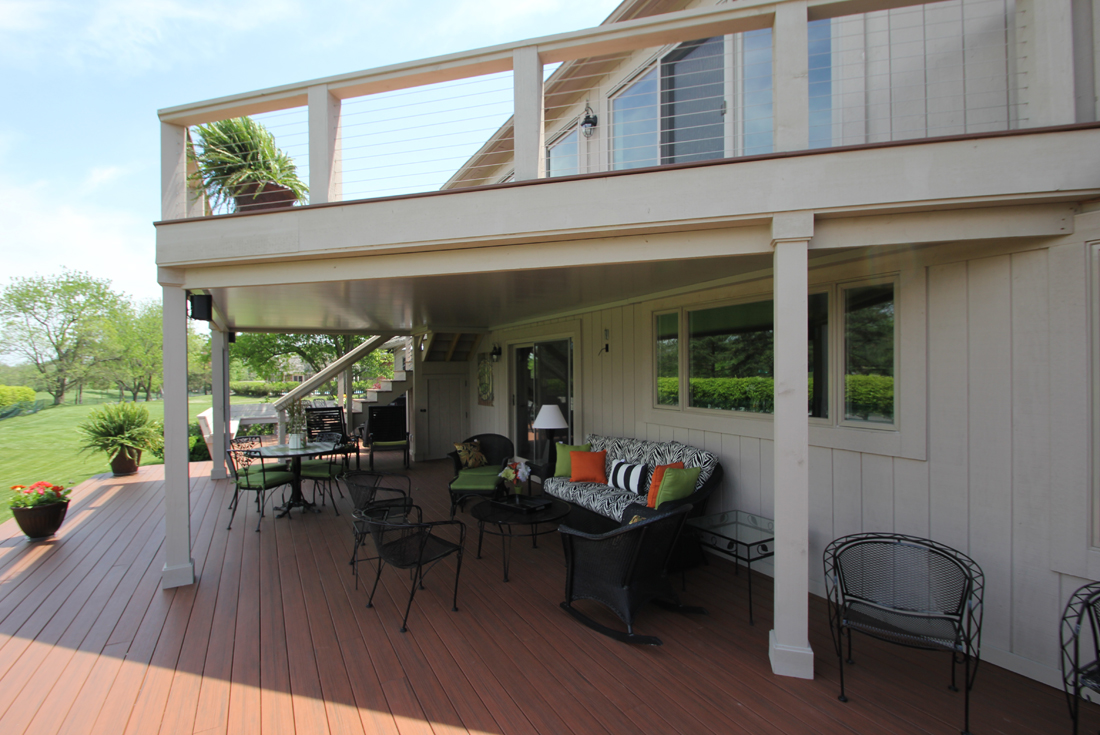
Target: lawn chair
[(1077, 675)]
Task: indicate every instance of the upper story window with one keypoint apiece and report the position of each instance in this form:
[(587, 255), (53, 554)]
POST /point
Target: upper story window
[(563, 155), (704, 99)]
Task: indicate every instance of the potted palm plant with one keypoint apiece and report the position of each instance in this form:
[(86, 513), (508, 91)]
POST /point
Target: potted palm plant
[(122, 431), (241, 168)]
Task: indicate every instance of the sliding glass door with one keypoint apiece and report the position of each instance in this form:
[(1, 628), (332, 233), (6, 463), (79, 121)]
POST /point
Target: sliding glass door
[(542, 374)]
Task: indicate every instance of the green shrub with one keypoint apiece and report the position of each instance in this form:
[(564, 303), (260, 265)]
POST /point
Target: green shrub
[(870, 395), (867, 395), (122, 427), (10, 395), (260, 389), (197, 450)]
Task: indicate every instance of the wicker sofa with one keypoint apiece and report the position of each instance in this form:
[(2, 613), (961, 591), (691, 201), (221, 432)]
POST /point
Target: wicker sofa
[(597, 508)]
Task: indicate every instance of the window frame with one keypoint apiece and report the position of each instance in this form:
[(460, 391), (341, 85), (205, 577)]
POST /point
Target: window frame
[(679, 312), (840, 353), (558, 138)]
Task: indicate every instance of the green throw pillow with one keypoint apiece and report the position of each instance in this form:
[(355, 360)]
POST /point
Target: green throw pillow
[(564, 468), (677, 484)]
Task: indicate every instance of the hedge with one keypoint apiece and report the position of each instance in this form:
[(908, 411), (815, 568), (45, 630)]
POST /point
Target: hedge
[(260, 389), (10, 395), (868, 395)]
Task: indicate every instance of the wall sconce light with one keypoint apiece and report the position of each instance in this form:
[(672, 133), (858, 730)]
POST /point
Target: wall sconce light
[(588, 124), (202, 306), (495, 353)]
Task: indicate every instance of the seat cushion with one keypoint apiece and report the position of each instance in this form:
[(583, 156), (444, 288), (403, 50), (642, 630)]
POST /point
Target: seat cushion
[(268, 480), (595, 497), (476, 478)]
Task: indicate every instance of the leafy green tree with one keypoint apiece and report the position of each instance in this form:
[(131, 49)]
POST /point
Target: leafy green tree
[(261, 353), (134, 338), (199, 375), (57, 323)]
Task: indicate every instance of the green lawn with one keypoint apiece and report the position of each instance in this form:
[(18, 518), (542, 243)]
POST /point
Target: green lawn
[(46, 446)]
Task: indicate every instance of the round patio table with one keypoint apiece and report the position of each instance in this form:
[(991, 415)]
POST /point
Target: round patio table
[(497, 513), (283, 451)]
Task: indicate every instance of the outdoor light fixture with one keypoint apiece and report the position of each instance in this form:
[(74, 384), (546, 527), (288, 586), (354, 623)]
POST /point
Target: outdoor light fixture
[(588, 124), (202, 306), (495, 353)]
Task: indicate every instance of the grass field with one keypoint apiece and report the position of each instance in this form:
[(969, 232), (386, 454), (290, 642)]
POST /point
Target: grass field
[(46, 446)]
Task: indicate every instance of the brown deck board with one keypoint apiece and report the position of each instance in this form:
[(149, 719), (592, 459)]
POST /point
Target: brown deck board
[(275, 638)]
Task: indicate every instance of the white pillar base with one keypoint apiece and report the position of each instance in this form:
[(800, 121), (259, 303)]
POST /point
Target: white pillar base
[(796, 661), (180, 576)]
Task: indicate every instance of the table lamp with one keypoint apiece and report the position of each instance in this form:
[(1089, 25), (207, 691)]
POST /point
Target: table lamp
[(549, 420)]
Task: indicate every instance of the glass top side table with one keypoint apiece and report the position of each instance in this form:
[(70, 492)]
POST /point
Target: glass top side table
[(742, 536)]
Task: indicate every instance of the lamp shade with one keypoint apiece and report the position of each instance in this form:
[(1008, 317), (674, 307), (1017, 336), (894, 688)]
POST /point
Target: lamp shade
[(550, 418)]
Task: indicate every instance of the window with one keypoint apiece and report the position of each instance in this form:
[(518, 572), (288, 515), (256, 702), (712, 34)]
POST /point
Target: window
[(693, 102), (730, 357), (562, 156), (543, 375), (869, 353), (634, 128)]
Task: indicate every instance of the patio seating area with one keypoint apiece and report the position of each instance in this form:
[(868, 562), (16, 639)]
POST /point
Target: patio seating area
[(274, 638)]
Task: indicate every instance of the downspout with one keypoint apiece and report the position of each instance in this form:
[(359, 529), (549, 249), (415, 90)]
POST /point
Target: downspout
[(323, 376)]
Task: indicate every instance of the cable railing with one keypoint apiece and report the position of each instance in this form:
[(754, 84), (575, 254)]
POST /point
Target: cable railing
[(939, 69)]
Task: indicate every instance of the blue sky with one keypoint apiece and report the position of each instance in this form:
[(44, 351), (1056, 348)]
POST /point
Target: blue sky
[(83, 80)]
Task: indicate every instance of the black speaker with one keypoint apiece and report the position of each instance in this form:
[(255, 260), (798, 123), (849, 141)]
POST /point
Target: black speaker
[(202, 307), (232, 337)]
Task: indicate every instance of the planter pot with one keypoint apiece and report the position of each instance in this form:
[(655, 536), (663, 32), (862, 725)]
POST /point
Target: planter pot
[(296, 441), (41, 521), (123, 464), (272, 196)]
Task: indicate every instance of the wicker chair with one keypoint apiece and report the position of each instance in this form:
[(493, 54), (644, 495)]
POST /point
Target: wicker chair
[(251, 474), (411, 544), (624, 569), (906, 590), (1077, 675), (372, 497), (481, 482)]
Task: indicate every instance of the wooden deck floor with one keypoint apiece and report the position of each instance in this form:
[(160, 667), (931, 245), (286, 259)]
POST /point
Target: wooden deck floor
[(274, 638)]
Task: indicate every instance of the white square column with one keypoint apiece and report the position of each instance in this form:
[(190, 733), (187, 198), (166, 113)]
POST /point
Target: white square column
[(530, 134), (791, 84), (179, 567), (789, 643), (219, 388), (325, 147)]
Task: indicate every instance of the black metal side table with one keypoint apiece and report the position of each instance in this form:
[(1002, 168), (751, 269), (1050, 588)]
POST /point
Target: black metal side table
[(497, 513), (743, 537)]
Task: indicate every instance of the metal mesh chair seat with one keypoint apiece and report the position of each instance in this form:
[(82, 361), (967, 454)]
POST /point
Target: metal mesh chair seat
[(906, 590), (1080, 629), (372, 498), (623, 569), (414, 549)]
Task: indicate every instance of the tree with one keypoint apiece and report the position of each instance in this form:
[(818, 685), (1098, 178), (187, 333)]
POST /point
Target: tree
[(261, 352), (199, 376), (57, 324), (134, 360)]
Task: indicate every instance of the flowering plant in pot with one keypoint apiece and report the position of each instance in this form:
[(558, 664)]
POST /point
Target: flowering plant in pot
[(122, 431), (40, 508), (241, 168), (515, 474)]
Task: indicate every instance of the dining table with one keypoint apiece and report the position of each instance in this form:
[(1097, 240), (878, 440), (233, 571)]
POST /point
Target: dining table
[(295, 455)]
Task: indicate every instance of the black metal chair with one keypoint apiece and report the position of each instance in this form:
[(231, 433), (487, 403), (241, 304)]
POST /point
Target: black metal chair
[(327, 471), (385, 429), (624, 569), (484, 481), (330, 419), (371, 497), (251, 474), (906, 590), (1083, 605), (408, 544)]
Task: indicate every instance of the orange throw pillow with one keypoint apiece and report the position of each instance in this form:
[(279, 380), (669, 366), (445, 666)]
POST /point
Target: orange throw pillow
[(655, 483), (588, 467)]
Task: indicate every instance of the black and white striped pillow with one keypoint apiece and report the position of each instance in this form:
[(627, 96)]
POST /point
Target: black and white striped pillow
[(627, 476)]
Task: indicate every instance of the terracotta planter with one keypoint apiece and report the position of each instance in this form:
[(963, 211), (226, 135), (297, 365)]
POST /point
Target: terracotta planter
[(273, 196), (123, 464), (41, 521)]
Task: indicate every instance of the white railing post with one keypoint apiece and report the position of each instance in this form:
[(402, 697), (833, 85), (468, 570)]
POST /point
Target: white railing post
[(530, 159), (179, 567), (789, 644), (173, 171), (325, 155), (1045, 28), (219, 389), (791, 85)]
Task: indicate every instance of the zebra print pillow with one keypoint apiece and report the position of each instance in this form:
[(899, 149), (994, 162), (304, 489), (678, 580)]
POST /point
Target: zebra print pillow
[(627, 476)]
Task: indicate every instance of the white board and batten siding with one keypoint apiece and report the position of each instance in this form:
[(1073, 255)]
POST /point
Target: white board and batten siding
[(983, 482)]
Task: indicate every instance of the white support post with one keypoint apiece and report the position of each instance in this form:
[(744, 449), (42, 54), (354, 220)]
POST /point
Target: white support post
[(789, 644), (173, 171), (1046, 29), (219, 388), (349, 402), (791, 85), (179, 567), (325, 154), (530, 134)]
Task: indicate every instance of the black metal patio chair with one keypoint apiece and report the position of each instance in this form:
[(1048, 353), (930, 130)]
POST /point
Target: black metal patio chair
[(252, 474), (624, 569), (327, 471), (1077, 675), (906, 590), (412, 544), (373, 494)]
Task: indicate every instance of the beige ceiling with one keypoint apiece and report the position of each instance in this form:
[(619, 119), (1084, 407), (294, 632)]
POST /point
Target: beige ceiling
[(465, 302)]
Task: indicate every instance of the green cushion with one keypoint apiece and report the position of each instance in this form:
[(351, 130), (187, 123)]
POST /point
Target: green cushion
[(677, 484), (476, 478), (322, 472), (401, 443), (564, 467), (254, 481)]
